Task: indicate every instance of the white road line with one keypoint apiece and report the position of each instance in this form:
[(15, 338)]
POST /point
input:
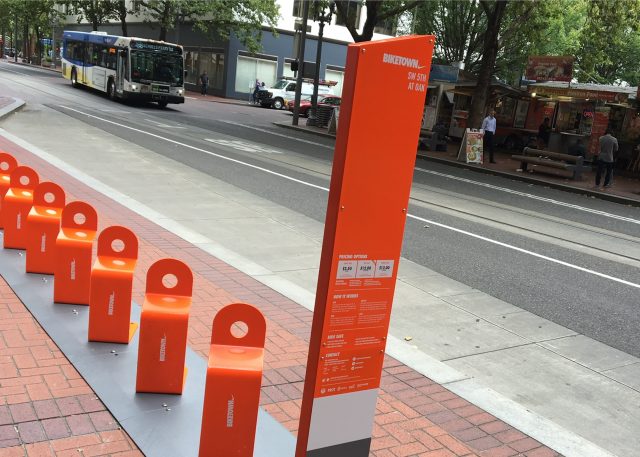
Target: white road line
[(534, 197), (160, 124), (169, 140), (275, 133), (448, 227), (242, 145), (525, 251)]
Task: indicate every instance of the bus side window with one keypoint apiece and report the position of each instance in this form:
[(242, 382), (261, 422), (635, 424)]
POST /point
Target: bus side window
[(89, 54), (78, 49)]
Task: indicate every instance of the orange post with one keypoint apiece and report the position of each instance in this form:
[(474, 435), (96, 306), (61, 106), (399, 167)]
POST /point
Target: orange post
[(7, 165), (234, 376), (163, 328), (16, 206), (43, 225), (74, 246), (111, 286)]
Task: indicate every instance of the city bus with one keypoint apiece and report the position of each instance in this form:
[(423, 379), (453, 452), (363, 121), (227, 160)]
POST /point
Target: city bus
[(124, 67)]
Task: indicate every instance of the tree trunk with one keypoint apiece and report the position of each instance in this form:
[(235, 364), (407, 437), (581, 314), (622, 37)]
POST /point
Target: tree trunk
[(38, 44), (122, 15), (26, 43), (166, 19), (370, 23), (94, 24), (489, 54)]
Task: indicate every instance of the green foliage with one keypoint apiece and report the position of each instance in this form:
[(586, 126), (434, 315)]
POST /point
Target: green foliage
[(378, 12), (218, 18), (96, 12), (458, 27), (608, 49)]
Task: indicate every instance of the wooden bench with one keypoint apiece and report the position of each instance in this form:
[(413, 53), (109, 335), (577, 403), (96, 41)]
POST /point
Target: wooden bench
[(557, 160)]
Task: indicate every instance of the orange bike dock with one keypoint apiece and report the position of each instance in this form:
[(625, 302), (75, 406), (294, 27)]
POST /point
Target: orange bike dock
[(161, 425)]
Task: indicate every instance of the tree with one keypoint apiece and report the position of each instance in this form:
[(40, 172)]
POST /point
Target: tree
[(39, 17), (608, 42), (96, 12), (244, 18), (120, 11), (458, 27), (494, 12), (378, 11)]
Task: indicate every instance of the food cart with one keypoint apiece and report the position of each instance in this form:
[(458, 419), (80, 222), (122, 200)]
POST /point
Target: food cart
[(581, 113)]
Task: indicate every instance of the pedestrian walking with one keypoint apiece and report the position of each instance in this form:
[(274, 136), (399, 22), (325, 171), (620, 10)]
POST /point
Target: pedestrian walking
[(489, 127), (204, 83), (254, 95), (605, 156)]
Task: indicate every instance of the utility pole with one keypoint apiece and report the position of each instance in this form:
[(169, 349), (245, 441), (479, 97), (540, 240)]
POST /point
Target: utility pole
[(303, 39), (15, 45), (53, 39), (321, 17)]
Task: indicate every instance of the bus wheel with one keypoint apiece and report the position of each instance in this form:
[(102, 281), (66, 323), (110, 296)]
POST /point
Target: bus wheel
[(163, 104), (74, 77), (111, 89)]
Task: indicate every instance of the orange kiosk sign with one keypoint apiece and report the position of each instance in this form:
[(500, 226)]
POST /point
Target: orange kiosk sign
[(370, 185)]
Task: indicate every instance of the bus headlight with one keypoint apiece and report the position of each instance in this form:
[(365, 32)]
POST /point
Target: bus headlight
[(134, 87), (179, 91)]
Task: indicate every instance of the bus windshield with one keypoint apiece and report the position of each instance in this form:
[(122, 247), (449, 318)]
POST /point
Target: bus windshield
[(154, 66)]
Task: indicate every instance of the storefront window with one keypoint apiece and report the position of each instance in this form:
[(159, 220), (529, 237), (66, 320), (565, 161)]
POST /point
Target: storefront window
[(250, 68), (197, 61), (575, 117)]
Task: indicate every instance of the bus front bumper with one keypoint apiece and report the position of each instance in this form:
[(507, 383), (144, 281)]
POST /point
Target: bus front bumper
[(147, 97)]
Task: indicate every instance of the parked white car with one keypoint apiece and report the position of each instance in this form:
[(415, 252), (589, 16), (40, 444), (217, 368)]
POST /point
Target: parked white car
[(285, 90)]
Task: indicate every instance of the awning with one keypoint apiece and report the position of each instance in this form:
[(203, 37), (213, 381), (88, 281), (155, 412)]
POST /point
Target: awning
[(609, 96)]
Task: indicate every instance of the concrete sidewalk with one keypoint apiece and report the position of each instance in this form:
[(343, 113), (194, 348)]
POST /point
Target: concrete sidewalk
[(49, 410)]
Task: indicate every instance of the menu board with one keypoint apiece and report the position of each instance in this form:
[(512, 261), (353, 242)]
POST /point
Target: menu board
[(473, 145)]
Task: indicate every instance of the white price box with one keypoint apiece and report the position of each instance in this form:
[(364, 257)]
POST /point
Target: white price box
[(347, 269)]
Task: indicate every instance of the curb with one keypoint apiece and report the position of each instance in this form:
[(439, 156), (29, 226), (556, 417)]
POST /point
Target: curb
[(10, 108), (57, 69), (305, 130), (527, 179)]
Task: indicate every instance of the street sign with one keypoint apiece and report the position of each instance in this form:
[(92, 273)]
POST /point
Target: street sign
[(371, 180)]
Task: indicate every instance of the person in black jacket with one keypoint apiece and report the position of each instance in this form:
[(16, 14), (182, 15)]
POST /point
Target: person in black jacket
[(544, 133), (204, 83)]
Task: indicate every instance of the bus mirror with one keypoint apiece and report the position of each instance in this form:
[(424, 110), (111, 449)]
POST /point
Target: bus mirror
[(186, 73)]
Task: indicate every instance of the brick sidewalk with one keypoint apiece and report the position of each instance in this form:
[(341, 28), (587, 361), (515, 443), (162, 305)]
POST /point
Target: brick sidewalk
[(46, 409)]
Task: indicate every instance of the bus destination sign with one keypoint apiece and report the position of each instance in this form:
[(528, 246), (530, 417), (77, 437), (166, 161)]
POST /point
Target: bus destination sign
[(158, 47)]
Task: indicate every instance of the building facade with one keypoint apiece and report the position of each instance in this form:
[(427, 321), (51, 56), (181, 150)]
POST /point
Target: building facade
[(232, 69)]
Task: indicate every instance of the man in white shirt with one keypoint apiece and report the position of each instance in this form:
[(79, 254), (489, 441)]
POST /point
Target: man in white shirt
[(489, 127)]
